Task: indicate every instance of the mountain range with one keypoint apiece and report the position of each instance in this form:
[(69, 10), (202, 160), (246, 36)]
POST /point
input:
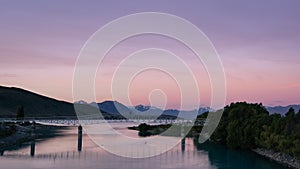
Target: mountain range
[(36, 105), (282, 109)]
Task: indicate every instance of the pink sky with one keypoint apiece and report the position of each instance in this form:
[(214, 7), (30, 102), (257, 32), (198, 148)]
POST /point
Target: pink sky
[(258, 45)]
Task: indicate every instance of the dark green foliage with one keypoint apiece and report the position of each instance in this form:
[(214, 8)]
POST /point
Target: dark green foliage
[(248, 126), (146, 130), (7, 130), (143, 127)]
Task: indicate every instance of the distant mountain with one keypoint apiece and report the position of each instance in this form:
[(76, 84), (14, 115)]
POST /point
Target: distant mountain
[(81, 102), (35, 105), (282, 109), (187, 114), (118, 109), (113, 107), (169, 112), (142, 108), (202, 110)]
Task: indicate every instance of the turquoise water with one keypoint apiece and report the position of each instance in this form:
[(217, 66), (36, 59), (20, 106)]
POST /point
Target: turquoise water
[(62, 152), (222, 158)]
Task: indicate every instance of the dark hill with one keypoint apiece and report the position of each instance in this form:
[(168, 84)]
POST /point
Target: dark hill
[(35, 105)]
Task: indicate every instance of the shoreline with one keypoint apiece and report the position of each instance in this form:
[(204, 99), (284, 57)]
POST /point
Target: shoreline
[(14, 140), (21, 134), (279, 157), (27, 133)]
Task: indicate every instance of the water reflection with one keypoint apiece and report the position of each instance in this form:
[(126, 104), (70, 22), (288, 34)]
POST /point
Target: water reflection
[(93, 157), (223, 157), (183, 145), (76, 150), (62, 152)]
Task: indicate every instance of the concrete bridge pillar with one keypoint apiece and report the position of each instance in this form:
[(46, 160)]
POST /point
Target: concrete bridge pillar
[(32, 148), (32, 145), (79, 138), (182, 130)]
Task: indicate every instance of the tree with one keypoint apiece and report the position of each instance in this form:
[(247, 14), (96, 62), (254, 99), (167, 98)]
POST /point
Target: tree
[(290, 121), (247, 126), (20, 113), (291, 112)]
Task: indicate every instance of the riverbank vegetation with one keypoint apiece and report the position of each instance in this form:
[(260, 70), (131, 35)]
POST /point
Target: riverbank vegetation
[(7, 130), (248, 126)]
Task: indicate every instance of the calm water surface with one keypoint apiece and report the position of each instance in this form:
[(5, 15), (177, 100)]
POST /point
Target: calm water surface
[(61, 152)]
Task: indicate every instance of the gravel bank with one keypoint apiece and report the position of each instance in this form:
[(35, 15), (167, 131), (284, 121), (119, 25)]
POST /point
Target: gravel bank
[(279, 157)]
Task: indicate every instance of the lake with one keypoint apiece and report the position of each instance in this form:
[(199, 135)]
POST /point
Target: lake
[(62, 152)]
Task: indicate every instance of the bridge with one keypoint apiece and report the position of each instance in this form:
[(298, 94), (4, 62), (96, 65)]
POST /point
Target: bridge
[(74, 121)]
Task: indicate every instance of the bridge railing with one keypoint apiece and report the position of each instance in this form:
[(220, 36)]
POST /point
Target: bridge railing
[(74, 121)]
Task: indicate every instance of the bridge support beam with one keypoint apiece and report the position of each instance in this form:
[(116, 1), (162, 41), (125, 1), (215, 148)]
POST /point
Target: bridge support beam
[(32, 145), (32, 148), (79, 138)]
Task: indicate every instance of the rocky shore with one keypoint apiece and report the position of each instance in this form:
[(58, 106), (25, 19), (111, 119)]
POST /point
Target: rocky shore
[(20, 135), (27, 133), (279, 157)]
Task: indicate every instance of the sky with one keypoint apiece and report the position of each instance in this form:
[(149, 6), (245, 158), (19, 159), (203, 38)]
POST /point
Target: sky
[(258, 43)]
